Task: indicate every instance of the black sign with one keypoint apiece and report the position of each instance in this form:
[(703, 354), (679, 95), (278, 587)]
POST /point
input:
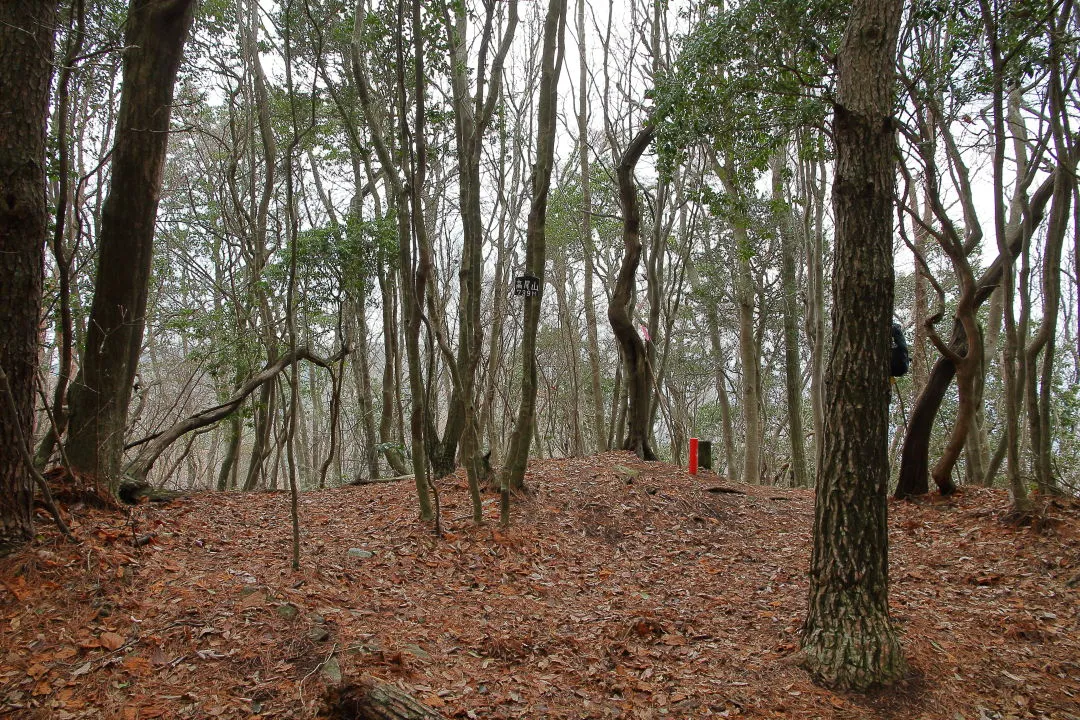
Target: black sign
[(526, 285)]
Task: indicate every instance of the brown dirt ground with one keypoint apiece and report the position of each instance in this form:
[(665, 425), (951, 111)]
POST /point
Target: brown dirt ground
[(623, 589)]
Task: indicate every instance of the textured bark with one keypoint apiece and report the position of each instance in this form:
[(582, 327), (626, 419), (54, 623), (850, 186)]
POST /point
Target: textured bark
[(634, 357), (848, 638), (374, 700), (154, 40), (26, 40)]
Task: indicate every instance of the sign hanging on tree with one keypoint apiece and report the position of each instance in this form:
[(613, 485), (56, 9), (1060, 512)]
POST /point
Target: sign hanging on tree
[(526, 285)]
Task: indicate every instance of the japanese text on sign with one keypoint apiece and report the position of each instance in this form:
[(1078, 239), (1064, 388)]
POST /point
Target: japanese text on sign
[(527, 285)]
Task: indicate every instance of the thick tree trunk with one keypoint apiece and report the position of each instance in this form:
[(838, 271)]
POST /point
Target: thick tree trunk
[(848, 638), (634, 356), (154, 40), (26, 40)]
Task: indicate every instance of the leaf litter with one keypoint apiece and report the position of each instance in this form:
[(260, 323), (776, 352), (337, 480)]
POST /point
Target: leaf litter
[(622, 589)]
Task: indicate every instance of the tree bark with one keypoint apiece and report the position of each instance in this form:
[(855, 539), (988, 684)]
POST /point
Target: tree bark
[(513, 476), (473, 112), (792, 370), (634, 356), (914, 456), (27, 28), (154, 40), (371, 699), (848, 638), (588, 249), (1040, 380)]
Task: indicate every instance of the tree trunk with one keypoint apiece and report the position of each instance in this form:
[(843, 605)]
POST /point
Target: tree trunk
[(473, 112), (513, 476), (26, 40), (64, 141), (390, 379), (375, 700), (154, 41), (570, 338), (230, 464), (634, 356), (848, 638), (792, 371), (815, 302), (414, 285), (914, 457), (1040, 380), (588, 248)]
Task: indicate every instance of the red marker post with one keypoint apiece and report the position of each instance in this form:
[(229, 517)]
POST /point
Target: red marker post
[(693, 456)]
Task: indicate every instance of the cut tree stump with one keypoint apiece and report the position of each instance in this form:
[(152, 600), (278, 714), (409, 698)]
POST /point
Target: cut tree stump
[(371, 699)]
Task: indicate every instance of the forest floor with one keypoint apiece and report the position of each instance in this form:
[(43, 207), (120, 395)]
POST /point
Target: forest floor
[(622, 589)]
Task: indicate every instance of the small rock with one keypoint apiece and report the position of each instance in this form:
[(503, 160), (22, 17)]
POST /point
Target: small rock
[(287, 611), (331, 670), (416, 651), (361, 554), (319, 633)]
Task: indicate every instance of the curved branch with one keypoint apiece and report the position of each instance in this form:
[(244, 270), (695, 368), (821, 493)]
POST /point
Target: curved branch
[(155, 445)]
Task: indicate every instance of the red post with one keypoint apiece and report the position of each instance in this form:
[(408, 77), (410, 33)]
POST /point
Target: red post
[(693, 456)]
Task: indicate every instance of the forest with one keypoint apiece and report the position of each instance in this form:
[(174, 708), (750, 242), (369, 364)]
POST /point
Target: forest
[(427, 249)]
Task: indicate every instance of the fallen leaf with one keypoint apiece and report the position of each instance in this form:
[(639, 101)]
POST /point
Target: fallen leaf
[(111, 641), (254, 600)]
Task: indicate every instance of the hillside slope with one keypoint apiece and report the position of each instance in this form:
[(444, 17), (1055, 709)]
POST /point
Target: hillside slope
[(623, 589)]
